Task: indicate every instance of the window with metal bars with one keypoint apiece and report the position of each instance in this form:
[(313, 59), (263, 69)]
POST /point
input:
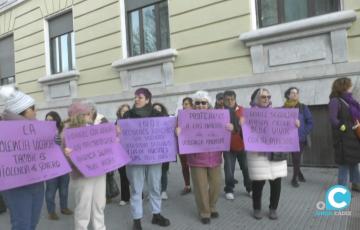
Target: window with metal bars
[(272, 12)]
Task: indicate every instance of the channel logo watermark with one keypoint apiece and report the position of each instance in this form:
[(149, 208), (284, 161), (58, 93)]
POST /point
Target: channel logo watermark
[(337, 199)]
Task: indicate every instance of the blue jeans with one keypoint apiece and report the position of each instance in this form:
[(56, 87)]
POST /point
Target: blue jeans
[(164, 176), (344, 171), (61, 183), (137, 174), (25, 205), (229, 169)]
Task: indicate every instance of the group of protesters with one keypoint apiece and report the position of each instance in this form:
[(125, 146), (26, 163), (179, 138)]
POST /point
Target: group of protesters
[(204, 168)]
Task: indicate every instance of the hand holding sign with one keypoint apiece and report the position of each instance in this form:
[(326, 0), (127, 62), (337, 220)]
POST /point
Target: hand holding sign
[(271, 130), (149, 140), (204, 131), (94, 149), (29, 154)]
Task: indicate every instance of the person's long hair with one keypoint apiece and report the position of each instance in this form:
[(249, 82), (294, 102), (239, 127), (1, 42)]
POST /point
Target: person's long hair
[(340, 86), (56, 117), (164, 111), (118, 112)]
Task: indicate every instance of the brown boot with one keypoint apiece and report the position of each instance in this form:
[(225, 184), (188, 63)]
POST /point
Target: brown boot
[(66, 211), (53, 216)]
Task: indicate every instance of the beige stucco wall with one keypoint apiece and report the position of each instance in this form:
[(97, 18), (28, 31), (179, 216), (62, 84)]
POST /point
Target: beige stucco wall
[(205, 33), (97, 38), (354, 31)]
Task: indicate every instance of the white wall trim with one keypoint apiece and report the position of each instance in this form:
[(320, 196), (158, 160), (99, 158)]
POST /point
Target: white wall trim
[(123, 29), (145, 59), (60, 77), (11, 4), (253, 14), (47, 47), (300, 28)]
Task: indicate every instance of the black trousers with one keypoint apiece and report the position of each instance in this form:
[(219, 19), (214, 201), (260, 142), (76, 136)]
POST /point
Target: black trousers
[(2, 205), (296, 160), (275, 189), (124, 185)]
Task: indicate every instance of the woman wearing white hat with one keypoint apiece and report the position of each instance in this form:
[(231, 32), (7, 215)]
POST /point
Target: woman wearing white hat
[(25, 202)]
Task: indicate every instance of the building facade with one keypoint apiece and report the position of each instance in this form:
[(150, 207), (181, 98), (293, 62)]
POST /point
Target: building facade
[(60, 50)]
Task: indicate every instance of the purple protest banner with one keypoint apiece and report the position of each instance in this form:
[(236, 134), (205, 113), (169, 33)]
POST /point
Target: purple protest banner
[(29, 154), (96, 150), (271, 130), (149, 140), (204, 131)]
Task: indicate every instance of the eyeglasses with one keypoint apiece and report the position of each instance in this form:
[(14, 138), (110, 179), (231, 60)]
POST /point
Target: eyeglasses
[(201, 102), (264, 97)]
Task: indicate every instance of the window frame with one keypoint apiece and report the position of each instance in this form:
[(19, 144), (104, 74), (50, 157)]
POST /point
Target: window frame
[(141, 28), (50, 58), (59, 54), (7, 80), (281, 11)]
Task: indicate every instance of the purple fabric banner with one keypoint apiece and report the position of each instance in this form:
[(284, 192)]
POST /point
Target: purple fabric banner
[(96, 150), (149, 140), (29, 154), (204, 131), (271, 130)]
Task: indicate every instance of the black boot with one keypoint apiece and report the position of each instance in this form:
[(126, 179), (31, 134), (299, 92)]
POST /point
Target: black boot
[(301, 177), (137, 224), (294, 183), (160, 220)]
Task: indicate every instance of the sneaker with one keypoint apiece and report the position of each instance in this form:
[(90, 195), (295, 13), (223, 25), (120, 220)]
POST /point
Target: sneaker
[(137, 224), (66, 211), (160, 220), (164, 196), (273, 214), (186, 190), (229, 196), (122, 203), (214, 215), (301, 178), (205, 220), (257, 214), (53, 216), (294, 183)]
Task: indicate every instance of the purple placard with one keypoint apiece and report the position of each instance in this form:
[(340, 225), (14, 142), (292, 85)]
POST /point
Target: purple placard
[(204, 131), (29, 154), (96, 150), (149, 140), (271, 130)]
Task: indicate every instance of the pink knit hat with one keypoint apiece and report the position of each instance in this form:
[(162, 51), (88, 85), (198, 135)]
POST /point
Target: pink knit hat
[(78, 108)]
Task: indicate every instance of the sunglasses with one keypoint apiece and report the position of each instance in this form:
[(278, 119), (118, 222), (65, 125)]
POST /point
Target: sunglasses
[(264, 97), (201, 102)]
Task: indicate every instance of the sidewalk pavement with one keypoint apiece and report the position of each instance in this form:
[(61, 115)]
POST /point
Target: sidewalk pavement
[(296, 208)]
